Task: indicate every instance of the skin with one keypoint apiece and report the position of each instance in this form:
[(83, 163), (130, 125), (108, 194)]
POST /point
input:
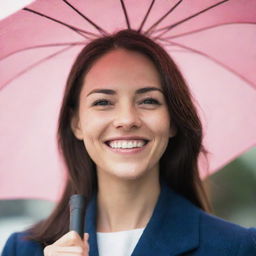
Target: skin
[(124, 180), (69, 244), (128, 184)]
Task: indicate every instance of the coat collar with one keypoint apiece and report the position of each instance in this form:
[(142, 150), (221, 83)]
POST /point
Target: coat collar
[(173, 228)]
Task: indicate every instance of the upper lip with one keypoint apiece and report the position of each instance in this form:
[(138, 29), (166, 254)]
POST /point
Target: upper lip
[(127, 138)]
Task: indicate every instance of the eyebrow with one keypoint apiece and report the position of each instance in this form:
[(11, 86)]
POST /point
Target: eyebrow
[(112, 92)]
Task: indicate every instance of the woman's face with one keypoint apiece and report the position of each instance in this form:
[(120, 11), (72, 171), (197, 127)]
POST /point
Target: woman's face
[(123, 117)]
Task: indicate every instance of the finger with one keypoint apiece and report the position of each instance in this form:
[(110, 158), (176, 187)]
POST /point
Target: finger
[(67, 254), (73, 249), (86, 236), (47, 250), (67, 250), (86, 244), (71, 238)]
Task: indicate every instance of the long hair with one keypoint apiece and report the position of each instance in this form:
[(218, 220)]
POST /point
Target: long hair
[(179, 163)]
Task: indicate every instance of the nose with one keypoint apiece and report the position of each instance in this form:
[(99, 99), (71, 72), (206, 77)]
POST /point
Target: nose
[(127, 117)]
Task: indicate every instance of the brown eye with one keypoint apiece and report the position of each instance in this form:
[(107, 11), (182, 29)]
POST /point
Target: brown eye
[(150, 101), (102, 102)]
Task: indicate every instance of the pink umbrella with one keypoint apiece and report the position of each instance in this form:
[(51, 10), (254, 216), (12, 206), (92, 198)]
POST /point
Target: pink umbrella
[(213, 42)]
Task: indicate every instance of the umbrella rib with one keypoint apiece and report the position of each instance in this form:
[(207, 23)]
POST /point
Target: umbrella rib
[(146, 16), (101, 30), (167, 28), (206, 28), (34, 65), (250, 83), (77, 30), (42, 46), (125, 14), (163, 17)]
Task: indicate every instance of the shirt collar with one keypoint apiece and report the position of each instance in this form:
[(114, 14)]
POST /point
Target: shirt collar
[(172, 229)]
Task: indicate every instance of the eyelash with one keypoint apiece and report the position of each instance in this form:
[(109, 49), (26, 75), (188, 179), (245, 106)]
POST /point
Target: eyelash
[(96, 103)]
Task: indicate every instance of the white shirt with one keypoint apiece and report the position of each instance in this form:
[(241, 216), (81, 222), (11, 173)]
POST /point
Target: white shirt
[(120, 243)]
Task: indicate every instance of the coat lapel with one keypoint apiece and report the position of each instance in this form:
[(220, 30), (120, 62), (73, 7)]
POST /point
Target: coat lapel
[(90, 226), (172, 230)]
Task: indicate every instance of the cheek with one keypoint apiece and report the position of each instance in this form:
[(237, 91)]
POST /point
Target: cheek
[(93, 124), (159, 122)]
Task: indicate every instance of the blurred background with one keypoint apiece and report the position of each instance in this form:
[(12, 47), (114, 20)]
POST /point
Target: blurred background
[(232, 192)]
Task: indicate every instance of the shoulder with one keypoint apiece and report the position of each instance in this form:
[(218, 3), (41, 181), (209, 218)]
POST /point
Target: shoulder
[(219, 233), (199, 231), (18, 245)]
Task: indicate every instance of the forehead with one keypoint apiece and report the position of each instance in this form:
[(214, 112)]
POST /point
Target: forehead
[(121, 69)]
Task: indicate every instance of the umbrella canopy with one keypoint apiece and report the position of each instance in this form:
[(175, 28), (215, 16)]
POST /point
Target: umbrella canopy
[(213, 43)]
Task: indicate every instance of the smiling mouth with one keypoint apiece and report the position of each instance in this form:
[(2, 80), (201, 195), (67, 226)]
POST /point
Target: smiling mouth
[(127, 148), (127, 144)]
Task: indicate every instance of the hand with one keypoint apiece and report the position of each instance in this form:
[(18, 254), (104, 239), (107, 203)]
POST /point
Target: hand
[(69, 244)]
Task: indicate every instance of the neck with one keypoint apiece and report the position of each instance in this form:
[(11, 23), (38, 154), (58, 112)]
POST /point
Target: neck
[(126, 205)]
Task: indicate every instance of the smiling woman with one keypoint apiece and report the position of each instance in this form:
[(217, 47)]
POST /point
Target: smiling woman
[(131, 137), (119, 131)]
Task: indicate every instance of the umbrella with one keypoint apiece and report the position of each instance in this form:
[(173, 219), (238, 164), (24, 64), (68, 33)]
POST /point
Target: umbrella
[(213, 43)]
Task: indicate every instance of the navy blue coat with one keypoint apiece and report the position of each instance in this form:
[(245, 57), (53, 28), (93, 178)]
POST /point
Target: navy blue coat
[(176, 227)]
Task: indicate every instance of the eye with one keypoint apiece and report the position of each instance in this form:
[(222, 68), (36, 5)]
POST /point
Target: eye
[(150, 101), (101, 102)]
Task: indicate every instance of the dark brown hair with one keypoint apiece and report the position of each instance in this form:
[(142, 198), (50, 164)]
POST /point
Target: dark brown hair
[(179, 163)]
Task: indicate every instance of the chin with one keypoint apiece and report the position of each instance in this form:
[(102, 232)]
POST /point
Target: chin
[(130, 176), (129, 172)]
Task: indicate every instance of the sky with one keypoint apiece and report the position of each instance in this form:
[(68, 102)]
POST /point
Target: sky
[(11, 6)]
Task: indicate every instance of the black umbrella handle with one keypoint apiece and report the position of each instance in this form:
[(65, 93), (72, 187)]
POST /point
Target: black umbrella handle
[(77, 211)]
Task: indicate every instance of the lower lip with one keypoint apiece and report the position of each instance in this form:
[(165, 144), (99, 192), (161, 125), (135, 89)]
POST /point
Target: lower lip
[(127, 151)]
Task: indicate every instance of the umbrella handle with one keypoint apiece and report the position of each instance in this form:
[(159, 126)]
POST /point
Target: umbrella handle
[(77, 211)]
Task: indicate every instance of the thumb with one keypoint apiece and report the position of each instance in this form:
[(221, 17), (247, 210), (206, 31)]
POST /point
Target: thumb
[(87, 247), (69, 239), (86, 236)]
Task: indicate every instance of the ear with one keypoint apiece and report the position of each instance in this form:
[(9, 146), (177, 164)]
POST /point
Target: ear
[(76, 127), (173, 131)]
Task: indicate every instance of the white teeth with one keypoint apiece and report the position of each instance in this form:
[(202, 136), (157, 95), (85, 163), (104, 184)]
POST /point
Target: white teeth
[(127, 143)]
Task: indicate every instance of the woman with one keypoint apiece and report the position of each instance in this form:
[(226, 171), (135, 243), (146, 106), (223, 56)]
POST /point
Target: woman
[(130, 136)]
